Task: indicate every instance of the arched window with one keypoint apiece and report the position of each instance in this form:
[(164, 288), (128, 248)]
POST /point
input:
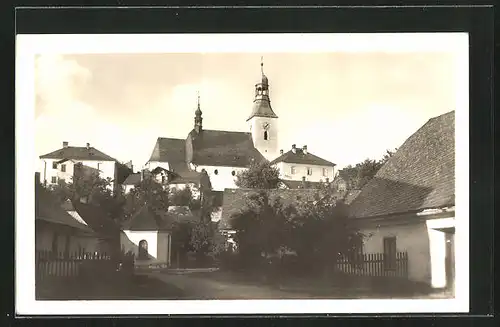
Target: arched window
[(143, 250), (265, 135)]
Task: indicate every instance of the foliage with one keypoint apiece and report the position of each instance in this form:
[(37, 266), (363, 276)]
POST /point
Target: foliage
[(316, 231), (206, 240), (86, 183), (261, 227), (146, 191), (260, 175), (357, 176)]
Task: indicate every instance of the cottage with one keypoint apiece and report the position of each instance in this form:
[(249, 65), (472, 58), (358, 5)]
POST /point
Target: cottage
[(410, 205), (56, 230)]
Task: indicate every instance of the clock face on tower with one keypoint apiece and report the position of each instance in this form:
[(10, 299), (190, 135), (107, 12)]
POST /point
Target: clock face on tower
[(266, 126)]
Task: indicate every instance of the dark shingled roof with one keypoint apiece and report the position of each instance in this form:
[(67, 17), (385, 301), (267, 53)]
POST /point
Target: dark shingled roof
[(144, 220), (78, 153), (132, 179), (49, 210), (169, 150), (224, 148), (235, 200), (262, 108), (299, 157), (420, 175)]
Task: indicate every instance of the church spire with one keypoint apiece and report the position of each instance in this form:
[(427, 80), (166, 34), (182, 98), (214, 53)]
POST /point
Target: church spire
[(262, 102), (197, 116)]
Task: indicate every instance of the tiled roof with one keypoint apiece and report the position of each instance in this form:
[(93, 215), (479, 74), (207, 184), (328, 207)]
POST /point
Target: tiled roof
[(299, 157), (262, 108), (144, 220), (224, 148), (78, 153), (132, 179), (96, 218), (49, 210), (235, 200), (169, 150), (420, 175)]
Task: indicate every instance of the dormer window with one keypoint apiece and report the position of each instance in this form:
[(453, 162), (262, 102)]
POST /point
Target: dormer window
[(265, 135)]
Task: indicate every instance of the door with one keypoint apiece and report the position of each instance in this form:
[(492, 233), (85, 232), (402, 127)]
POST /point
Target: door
[(450, 261)]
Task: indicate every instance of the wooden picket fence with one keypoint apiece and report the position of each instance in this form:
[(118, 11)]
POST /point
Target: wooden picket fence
[(375, 265), (51, 265)]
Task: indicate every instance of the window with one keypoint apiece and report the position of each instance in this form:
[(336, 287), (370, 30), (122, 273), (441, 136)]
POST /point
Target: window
[(216, 172), (265, 135), (309, 171), (390, 253), (163, 179), (233, 173), (292, 170), (54, 179), (54, 165), (63, 168), (325, 172)]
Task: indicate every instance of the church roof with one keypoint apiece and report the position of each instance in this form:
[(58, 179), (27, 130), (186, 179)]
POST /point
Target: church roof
[(299, 157), (420, 175), (78, 153), (169, 150), (262, 108), (224, 148)]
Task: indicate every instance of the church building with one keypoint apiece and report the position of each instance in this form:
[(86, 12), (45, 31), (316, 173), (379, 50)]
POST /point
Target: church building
[(222, 154)]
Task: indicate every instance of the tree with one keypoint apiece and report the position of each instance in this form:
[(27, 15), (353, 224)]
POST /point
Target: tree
[(261, 227), (357, 176), (260, 175), (147, 191)]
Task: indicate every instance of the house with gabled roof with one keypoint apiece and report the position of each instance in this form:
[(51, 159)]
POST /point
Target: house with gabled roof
[(222, 154), (298, 164), (56, 230), (409, 205), (61, 164)]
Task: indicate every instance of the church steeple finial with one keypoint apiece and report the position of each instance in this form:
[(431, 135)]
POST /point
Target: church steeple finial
[(198, 119), (262, 64)]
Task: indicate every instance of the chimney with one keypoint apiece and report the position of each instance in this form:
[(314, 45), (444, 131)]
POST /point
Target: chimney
[(65, 144), (281, 151), (294, 148), (88, 145), (304, 149)]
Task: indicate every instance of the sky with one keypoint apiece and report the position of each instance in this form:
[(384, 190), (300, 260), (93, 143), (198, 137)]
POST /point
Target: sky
[(344, 106)]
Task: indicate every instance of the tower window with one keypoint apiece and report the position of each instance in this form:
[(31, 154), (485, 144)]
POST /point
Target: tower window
[(265, 135)]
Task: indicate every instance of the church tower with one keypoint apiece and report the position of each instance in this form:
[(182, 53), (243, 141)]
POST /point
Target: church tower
[(263, 121)]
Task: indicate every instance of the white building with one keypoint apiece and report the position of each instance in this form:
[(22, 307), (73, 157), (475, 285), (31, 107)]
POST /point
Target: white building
[(59, 165), (222, 154)]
